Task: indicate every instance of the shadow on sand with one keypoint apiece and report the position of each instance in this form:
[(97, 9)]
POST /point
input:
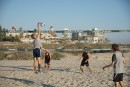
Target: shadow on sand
[(20, 80), (61, 70), (128, 74), (18, 68), (45, 85)]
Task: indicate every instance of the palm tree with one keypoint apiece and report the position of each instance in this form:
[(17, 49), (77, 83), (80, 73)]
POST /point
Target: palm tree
[(1, 33)]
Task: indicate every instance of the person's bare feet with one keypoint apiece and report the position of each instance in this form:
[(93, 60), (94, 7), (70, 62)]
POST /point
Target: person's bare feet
[(35, 72)]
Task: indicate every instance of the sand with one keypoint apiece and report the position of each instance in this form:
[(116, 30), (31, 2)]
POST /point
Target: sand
[(63, 73)]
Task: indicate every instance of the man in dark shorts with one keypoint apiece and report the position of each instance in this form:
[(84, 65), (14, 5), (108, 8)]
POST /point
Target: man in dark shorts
[(86, 56), (118, 65), (37, 48)]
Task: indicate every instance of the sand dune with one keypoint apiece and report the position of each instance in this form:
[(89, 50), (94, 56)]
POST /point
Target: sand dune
[(63, 73)]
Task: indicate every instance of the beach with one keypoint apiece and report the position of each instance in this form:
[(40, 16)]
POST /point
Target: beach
[(63, 73)]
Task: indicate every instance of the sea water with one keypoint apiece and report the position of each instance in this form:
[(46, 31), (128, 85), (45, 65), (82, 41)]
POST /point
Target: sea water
[(118, 37)]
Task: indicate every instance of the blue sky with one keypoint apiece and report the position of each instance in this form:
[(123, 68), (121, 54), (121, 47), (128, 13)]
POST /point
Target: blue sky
[(72, 14)]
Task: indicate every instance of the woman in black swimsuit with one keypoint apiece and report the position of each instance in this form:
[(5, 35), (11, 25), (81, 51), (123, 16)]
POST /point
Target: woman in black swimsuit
[(47, 61)]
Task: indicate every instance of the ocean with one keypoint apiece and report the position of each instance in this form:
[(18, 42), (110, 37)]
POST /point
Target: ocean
[(118, 37), (115, 37)]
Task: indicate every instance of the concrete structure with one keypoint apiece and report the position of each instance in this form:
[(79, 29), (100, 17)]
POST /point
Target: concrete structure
[(13, 34), (93, 36), (100, 34), (49, 37), (13, 29), (66, 34), (89, 36), (76, 35)]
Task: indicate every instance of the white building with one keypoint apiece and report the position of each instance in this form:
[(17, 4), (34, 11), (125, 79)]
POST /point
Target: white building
[(13, 34), (27, 40), (26, 37), (66, 34), (94, 36), (100, 34)]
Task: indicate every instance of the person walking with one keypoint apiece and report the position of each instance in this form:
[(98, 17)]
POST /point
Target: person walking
[(118, 65), (85, 60)]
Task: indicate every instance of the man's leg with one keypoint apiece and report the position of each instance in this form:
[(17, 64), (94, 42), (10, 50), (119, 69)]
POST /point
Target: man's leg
[(45, 67), (34, 64), (48, 66), (116, 84), (89, 68), (121, 83), (81, 68), (39, 64)]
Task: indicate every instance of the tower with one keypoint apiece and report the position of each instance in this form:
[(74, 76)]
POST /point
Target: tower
[(13, 29)]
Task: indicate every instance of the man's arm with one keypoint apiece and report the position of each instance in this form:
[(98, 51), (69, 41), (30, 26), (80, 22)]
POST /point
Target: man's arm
[(38, 31), (88, 55), (50, 57), (123, 58), (110, 65), (80, 56), (113, 62)]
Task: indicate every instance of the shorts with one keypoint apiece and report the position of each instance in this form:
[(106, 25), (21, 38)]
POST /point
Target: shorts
[(118, 77), (47, 62), (84, 63), (36, 53)]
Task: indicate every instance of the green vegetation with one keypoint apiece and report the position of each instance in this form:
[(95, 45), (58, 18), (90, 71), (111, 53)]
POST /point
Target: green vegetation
[(115, 30), (16, 55), (1, 33), (76, 53), (50, 46), (12, 39), (24, 55), (35, 30), (3, 36), (57, 56)]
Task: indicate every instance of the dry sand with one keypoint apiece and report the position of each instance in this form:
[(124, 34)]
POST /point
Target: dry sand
[(63, 73)]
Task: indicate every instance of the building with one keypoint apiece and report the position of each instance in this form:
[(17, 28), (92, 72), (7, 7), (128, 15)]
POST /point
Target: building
[(93, 36), (66, 34), (13, 29), (76, 35), (90, 39), (49, 37), (100, 34)]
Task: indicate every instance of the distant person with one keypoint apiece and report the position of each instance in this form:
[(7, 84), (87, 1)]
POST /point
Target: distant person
[(85, 60), (118, 65), (37, 48), (47, 61)]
